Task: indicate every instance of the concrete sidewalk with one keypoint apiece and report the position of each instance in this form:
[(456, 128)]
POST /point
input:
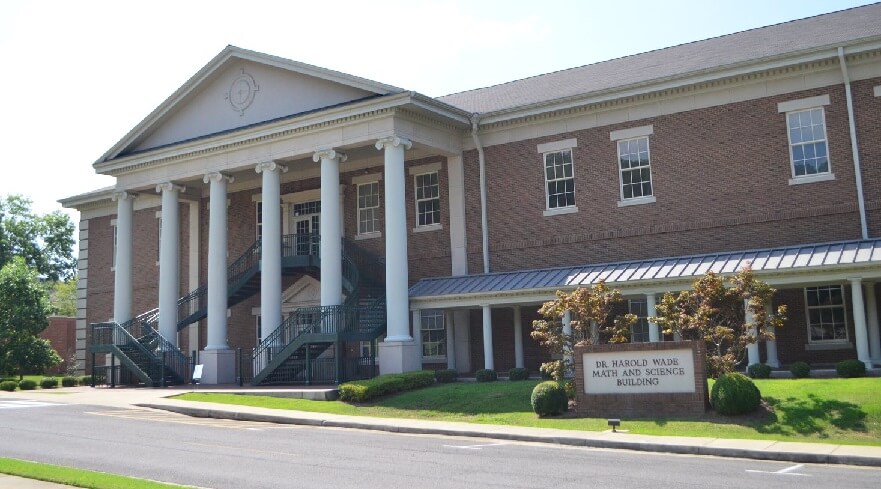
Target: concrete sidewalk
[(754, 449)]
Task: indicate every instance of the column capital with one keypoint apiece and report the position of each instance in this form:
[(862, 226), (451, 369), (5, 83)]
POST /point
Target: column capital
[(123, 195), (393, 141), (270, 166), (170, 187), (855, 280), (329, 154), (218, 176)]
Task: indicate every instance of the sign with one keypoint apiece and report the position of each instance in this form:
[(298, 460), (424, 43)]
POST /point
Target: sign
[(197, 373), (639, 372)]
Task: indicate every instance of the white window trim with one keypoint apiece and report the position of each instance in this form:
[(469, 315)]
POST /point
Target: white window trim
[(425, 227), (361, 179), (632, 133), (877, 91), (803, 104), (832, 344), (556, 146), (372, 234), (423, 169), (819, 177), (434, 358), (648, 199), (569, 209)]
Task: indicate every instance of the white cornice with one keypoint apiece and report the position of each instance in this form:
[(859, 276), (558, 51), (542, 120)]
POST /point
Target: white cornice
[(215, 64)]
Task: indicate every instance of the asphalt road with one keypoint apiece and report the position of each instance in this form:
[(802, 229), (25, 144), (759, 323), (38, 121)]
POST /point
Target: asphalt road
[(233, 454)]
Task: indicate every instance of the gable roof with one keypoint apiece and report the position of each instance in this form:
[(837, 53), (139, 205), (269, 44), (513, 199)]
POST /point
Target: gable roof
[(782, 259), (165, 108), (822, 32)]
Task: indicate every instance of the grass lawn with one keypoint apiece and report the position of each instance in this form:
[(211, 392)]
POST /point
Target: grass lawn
[(77, 477), (846, 411)]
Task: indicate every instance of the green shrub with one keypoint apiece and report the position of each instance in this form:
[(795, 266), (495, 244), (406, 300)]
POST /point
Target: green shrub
[(8, 385), (49, 383), (800, 370), (365, 390), (86, 380), (759, 371), (27, 385), (569, 387), (68, 382), (446, 376), (486, 375), (851, 368), (734, 393), (518, 374), (549, 398)]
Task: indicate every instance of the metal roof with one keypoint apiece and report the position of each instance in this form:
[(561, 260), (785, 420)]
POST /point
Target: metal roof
[(798, 36), (791, 258)]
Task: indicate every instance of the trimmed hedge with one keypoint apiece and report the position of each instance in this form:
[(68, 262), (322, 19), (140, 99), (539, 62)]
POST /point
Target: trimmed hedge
[(69, 382), (851, 368), (735, 393), (49, 383), (549, 398), (365, 390), (86, 380), (759, 371), (8, 385), (27, 385), (518, 374), (446, 376), (800, 370), (486, 375)]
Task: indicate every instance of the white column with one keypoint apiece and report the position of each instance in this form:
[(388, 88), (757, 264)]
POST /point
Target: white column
[(859, 321), (169, 261), (567, 330), (398, 352), (217, 266), (873, 325), (654, 330), (396, 267), (518, 338), (122, 284), (752, 349), (450, 325), (331, 236), (488, 362), (270, 248), (771, 345)]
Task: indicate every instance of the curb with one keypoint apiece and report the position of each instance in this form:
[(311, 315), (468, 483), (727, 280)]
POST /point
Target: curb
[(796, 457)]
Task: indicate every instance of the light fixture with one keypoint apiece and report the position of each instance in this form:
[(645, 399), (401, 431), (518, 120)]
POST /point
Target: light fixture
[(614, 423)]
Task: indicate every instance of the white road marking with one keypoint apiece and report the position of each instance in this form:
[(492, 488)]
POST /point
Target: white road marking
[(23, 403), (475, 447), (786, 471)]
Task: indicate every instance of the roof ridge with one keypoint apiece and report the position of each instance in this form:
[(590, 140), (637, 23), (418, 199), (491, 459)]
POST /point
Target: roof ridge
[(655, 50)]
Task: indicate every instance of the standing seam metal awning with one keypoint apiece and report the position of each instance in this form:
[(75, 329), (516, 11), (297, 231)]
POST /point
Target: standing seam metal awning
[(815, 256)]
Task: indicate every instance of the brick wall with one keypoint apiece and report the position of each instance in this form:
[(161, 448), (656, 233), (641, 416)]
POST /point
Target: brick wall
[(61, 333), (867, 117), (720, 176), (503, 339)]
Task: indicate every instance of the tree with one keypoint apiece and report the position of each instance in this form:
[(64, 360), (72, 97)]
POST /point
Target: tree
[(24, 311), (716, 314), (62, 296), (587, 306), (44, 241)]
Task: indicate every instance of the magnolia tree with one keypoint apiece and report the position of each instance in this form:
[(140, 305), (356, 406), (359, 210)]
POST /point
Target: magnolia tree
[(716, 314), (593, 316)]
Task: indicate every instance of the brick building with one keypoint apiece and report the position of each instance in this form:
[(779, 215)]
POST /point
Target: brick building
[(430, 229)]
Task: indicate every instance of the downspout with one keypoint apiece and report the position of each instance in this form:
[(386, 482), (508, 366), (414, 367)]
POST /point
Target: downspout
[(858, 175), (484, 229)]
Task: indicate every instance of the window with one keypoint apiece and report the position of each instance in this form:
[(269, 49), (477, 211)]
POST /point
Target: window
[(434, 336), (635, 167), (115, 242), (368, 208), (259, 219), (158, 237), (558, 177), (640, 331), (826, 317), (259, 328), (807, 143), (427, 199)]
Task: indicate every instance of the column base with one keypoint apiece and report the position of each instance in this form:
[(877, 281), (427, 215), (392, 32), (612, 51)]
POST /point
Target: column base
[(397, 357), (218, 366)]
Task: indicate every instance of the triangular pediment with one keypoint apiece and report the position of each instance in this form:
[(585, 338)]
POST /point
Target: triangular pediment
[(241, 88), (305, 292)]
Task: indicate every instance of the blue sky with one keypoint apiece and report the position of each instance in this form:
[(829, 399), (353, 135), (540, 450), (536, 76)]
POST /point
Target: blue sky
[(78, 75)]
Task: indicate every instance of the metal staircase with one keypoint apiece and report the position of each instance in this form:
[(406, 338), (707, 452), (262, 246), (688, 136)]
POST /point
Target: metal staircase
[(286, 356)]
